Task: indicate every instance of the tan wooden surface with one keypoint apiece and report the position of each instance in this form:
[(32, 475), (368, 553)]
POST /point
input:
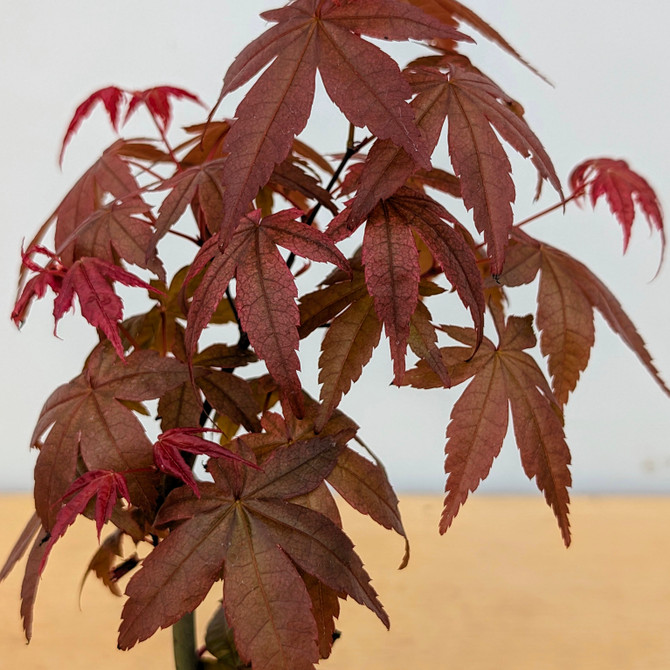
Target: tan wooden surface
[(498, 592)]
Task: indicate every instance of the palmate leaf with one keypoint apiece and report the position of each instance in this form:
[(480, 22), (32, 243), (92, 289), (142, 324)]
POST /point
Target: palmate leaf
[(475, 106), (361, 482), (87, 419), (203, 181), (623, 189), (245, 525), (90, 279), (453, 12), (391, 261), (116, 231), (266, 291), (364, 83), (567, 297), (169, 445), (105, 486), (114, 99), (502, 378), (110, 174)]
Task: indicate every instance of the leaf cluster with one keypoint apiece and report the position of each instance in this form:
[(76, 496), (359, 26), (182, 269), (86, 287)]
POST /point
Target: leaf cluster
[(248, 197)]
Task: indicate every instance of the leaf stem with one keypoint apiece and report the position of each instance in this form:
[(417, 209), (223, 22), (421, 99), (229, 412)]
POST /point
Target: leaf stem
[(166, 142), (352, 150), (553, 207), (243, 341), (183, 643)]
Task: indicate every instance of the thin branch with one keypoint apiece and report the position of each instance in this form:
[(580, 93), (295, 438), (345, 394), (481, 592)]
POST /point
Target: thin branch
[(553, 207), (352, 150)]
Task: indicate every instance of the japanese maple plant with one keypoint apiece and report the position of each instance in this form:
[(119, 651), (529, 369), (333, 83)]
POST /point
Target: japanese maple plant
[(246, 197)]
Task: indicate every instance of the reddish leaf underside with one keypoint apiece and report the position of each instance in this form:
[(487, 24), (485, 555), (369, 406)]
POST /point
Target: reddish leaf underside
[(363, 81), (392, 275), (266, 291), (506, 378), (86, 418), (244, 523), (567, 297), (476, 106)]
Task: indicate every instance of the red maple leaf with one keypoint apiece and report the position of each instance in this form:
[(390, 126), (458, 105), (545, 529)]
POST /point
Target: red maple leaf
[(502, 378), (156, 99), (50, 276), (90, 280), (266, 289), (87, 421), (170, 443), (476, 106), (452, 12), (363, 81), (104, 485), (391, 261), (568, 295), (111, 97), (247, 528), (623, 188)]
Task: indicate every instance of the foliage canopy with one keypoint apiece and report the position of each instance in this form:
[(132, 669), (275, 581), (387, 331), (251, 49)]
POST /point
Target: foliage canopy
[(246, 195)]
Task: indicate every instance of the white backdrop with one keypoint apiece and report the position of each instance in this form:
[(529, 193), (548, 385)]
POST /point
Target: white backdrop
[(610, 99)]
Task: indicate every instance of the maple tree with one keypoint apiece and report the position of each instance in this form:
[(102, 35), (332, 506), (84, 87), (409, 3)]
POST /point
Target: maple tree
[(262, 516)]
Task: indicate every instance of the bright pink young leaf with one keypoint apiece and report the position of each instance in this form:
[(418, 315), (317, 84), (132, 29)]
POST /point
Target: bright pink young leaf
[(90, 280), (157, 101), (49, 276), (111, 97), (104, 485), (172, 441), (623, 188)]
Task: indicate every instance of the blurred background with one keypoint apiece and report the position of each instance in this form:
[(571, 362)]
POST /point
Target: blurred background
[(609, 98)]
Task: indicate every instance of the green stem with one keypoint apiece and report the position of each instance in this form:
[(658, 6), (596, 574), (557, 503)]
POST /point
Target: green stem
[(183, 642)]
